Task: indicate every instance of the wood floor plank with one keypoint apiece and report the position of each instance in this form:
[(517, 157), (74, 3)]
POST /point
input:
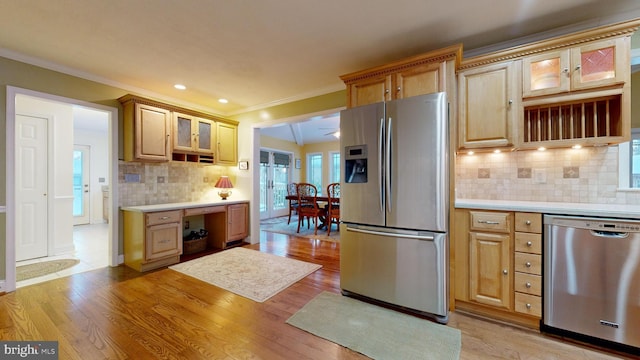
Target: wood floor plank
[(118, 313)]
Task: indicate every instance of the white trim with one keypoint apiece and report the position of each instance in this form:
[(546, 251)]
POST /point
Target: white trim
[(10, 259)]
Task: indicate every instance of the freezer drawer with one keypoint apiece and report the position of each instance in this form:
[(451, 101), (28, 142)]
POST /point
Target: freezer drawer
[(408, 269)]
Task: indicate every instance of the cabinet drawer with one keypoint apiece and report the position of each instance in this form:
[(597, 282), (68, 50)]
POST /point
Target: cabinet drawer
[(204, 210), (528, 242), (529, 304), (494, 221), (529, 222), (528, 263), (164, 217), (528, 283)]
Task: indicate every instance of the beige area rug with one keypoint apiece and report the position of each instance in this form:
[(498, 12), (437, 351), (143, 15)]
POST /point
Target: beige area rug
[(376, 332), (279, 225), (38, 269), (249, 273)]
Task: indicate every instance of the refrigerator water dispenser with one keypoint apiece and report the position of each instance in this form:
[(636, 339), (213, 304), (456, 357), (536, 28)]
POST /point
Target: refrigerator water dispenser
[(356, 164)]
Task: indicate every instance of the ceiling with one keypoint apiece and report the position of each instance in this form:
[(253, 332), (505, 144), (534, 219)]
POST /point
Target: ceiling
[(268, 52)]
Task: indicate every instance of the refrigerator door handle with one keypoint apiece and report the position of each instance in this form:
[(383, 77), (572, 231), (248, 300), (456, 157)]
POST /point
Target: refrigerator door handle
[(387, 167), (397, 235), (380, 142)]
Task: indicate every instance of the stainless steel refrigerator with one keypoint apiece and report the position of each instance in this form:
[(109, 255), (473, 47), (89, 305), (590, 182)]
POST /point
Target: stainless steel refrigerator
[(394, 203)]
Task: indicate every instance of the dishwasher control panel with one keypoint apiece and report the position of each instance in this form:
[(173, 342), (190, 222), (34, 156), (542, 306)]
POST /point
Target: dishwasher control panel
[(601, 224)]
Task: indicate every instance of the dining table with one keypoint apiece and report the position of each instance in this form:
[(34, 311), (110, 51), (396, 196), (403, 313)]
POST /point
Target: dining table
[(319, 199)]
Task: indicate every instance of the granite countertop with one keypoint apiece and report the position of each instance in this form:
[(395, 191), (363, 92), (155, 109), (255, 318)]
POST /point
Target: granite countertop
[(181, 205), (558, 208)]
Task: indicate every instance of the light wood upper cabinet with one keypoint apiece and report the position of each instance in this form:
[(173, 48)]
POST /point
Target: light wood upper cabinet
[(591, 65), (227, 135), (419, 80), (369, 91), (147, 132), (155, 131), (423, 74), (193, 134), (489, 105)]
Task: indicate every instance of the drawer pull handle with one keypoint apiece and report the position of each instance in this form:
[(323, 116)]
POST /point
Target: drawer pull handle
[(528, 222), (488, 222), (505, 271), (164, 241), (165, 217), (529, 244), (527, 264), (528, 285), (528, 306)]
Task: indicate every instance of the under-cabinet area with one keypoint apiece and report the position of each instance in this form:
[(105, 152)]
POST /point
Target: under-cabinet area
[(156, 235)]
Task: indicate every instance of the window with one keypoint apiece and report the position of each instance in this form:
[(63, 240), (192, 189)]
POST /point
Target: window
[(634, 181), (314, 170), (629, 164), (334, 167)]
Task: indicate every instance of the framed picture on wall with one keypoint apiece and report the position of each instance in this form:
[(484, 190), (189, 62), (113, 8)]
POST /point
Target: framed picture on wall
[(298, 163)]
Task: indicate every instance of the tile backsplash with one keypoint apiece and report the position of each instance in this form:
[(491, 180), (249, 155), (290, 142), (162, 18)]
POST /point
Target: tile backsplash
[(587, 175), (150, 183)]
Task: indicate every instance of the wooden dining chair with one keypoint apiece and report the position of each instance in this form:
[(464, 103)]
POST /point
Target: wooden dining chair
[(293, 203), (308, 205), (333, 207)]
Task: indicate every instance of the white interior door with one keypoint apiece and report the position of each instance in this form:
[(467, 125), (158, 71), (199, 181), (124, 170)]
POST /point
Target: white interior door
[(31, 187), (81, 190), (275, 174)]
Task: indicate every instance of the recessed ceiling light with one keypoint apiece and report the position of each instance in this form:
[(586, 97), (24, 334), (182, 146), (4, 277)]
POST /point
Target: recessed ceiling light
[(223, 101), (180, 87)]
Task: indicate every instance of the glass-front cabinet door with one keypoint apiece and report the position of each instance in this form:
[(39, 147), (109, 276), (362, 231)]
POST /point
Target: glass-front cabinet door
[(192, 134), (600, 64), (547, 73), (596, 64)]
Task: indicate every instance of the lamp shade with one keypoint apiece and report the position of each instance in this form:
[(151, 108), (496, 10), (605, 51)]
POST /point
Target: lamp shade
[(224, 183)]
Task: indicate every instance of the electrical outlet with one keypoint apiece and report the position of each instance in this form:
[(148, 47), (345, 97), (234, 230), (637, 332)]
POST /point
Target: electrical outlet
[(539, 176)]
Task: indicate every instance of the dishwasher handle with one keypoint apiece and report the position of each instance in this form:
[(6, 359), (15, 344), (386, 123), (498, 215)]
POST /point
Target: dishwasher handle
[(609, 234)]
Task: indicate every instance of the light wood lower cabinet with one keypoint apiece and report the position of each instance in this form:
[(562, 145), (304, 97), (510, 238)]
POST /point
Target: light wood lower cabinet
[(152, 240), (497, 265), (235, 222)]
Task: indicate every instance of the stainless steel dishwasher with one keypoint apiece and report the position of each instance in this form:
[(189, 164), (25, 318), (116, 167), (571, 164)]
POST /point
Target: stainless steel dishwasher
[(592, 280)]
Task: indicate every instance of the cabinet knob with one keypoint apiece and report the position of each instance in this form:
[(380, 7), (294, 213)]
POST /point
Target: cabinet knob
[(527, 285), (565, 70), (527, 264), (528, 222), (386, 91), (528, 306), (529, 243), (510, 102), (398, 89), (578, 67), (505, 271)]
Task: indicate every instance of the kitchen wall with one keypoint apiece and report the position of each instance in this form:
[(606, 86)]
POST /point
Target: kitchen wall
[(150, 183), (587, 175)]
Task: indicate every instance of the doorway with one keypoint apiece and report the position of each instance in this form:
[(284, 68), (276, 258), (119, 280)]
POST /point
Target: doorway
[(275, 174), (58, 195)]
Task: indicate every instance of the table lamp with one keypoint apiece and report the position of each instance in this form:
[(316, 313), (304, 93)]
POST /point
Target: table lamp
[(224, 184)]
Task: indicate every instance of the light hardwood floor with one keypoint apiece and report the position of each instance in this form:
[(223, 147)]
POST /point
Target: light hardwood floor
[(117, 313)]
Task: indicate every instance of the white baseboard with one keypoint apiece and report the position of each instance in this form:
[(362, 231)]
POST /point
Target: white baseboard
[(2, 286)]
